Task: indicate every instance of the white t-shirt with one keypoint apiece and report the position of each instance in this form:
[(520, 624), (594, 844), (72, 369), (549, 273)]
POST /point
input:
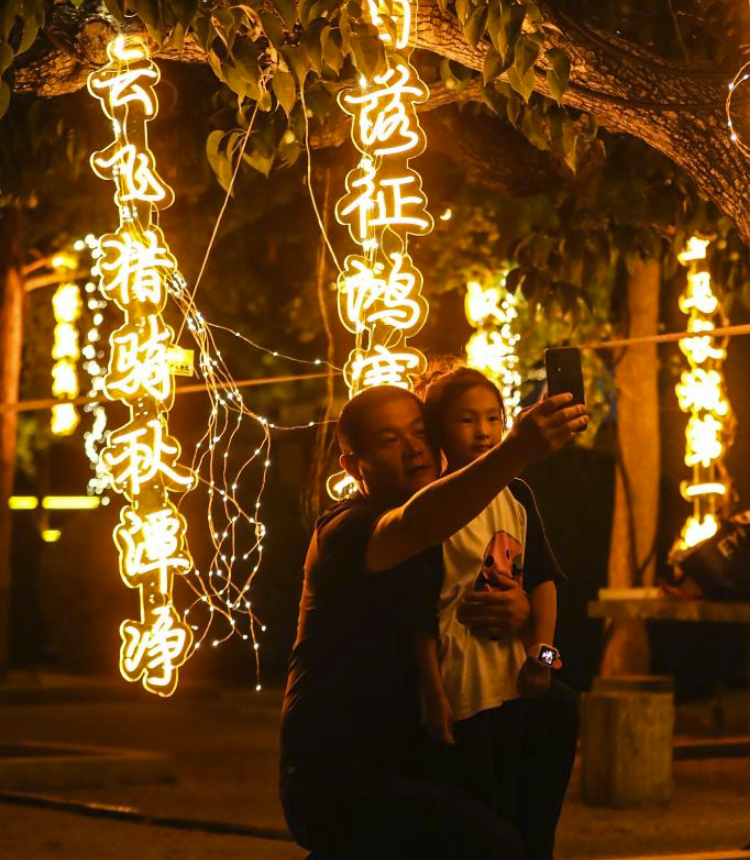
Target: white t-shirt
[(477, 673)]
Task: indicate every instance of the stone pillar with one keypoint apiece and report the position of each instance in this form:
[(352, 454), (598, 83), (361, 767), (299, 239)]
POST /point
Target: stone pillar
[(627, 728)]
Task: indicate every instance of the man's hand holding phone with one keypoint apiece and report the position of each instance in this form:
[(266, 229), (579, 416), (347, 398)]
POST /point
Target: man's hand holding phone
[(545, 427)]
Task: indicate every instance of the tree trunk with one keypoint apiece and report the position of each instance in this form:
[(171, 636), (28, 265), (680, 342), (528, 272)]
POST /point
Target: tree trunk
[(11, 334), (631, 553)]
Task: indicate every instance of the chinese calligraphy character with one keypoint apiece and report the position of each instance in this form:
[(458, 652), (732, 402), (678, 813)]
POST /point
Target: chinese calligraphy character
[(138, 453), (134, 269), (138, 364), (370, 294), (385, 125), (152, 544), (155, 651), (134, 172)]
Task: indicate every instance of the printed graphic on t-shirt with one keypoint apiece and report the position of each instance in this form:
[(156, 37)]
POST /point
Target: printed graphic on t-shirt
[(502, 555)]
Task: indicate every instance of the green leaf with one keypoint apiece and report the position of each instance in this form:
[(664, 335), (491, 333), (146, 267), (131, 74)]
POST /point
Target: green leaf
[(285, 90), (558, 73), (287, 9), (4, 97), (260, 158), (148, 11), (314, 43), (11, 9), (475, 25), (525, 55), (331, 51), (509, 29), (234, 79), (6, 56), (212, 149), (463, 10), (273, 29), (245, 58), (33, 20), (368, 54), (184, 11), (493, 64), (521, 75), (297, 60)]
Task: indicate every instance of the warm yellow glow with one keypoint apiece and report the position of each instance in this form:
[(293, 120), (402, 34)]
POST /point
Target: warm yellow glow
[(51, 535), (447, 215), (696, 250), (373, 294), (395, 12), (153, 652), (383, 113), (64, 260), (135, 268), (23, 503), (70, 503), (135, 174), (142, 455), (492, 347), (692, 490), (66, 307), (697, 530), (700, 393), (64, 419), (139, 365), (380, 298)]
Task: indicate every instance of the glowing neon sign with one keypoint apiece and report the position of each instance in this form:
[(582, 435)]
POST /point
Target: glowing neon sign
[(380, 290), (66, 306), (701, 393), (134, 267), (492, 347)]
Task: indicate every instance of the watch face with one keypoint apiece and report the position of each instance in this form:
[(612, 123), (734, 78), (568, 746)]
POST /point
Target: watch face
[(547, 655)]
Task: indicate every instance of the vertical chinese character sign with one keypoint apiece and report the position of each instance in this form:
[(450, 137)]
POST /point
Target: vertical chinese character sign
[(380, 289), (66, 307), (135, 266), (492, 347), (701, 394)]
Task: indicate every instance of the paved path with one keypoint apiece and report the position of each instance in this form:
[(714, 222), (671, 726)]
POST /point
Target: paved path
[(226, 752)]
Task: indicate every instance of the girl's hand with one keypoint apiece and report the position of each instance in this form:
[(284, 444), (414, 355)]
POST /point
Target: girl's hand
[(439, 720), (533, 679)]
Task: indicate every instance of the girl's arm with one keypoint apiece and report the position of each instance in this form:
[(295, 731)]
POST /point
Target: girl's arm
[(436, 709), (534, 678), (543, 614)]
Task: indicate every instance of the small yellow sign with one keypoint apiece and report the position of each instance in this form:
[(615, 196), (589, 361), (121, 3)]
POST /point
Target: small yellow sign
[(181, 361)]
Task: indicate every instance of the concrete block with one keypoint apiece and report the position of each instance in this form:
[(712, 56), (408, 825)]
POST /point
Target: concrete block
[(626, 747)]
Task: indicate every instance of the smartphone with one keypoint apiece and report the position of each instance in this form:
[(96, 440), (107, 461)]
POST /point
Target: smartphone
[(564, 373)]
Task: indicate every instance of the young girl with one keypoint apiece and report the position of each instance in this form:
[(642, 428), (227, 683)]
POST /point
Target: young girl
[(471, 686)]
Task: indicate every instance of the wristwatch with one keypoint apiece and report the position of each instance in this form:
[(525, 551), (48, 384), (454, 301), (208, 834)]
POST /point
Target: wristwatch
[(546, 655)]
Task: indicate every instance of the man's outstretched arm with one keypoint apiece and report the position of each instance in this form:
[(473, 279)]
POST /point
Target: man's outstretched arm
[(439, 510)]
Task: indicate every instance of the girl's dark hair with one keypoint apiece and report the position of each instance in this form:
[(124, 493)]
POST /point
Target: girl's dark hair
[(445, 380)]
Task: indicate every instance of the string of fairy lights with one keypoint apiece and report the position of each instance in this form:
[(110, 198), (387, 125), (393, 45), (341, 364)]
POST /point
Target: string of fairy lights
[(138, 274)]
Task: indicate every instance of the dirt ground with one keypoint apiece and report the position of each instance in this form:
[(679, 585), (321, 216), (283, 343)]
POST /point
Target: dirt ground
[(226, 747)]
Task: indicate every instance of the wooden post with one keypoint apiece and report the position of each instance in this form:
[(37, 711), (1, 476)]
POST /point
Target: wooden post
[(11, 339), (631, 555)]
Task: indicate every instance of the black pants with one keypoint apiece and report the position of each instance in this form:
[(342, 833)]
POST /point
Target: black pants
[(517, 761), (373, 811)]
